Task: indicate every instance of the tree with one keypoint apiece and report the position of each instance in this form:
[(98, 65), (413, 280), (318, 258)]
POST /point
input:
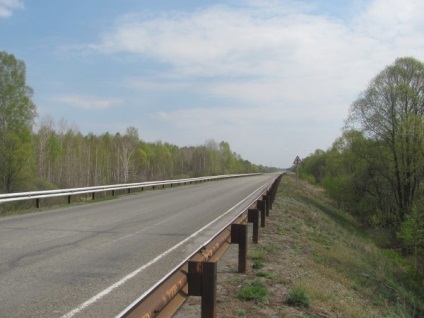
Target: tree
[(126, 149), (412, 234), (227, 156), (315, 165), (214, 156), (391, 112), (17, 113), (15, 159)]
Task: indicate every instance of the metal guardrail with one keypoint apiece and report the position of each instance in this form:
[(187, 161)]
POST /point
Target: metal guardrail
[(38, 195), (197, 275)]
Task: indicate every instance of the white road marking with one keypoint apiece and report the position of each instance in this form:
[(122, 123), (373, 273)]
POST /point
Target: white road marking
[(142, 268)]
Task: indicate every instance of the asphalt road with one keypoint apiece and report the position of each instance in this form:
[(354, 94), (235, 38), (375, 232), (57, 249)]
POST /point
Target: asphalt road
[(93, 260)]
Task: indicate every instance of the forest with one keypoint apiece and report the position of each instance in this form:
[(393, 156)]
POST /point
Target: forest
[(66, 158), (47, 155), (375, 170)]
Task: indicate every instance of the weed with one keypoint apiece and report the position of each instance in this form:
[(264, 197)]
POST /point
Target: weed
[(235, 279), (297, 227), (298, 298), (257, 264), (255, 290), (257, 254), (265, 274), (240, 312), (270, 248)]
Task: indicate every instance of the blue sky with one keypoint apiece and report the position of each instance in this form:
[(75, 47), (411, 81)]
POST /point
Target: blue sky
[(275, 79)]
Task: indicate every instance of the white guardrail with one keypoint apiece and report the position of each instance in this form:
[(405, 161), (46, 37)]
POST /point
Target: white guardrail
[(20, 196)]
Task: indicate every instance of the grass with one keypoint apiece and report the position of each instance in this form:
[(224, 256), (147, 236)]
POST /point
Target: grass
[(344, 254), (342, 272), (257, 264), (299, 298), (257, 254), (254, 290), (265, 274), (240, 312)]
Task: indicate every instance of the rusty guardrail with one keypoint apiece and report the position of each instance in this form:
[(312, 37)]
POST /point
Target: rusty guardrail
[(197, 275)]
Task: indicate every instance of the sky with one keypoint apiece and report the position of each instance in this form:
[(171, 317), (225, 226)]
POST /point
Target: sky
[(274, 79)]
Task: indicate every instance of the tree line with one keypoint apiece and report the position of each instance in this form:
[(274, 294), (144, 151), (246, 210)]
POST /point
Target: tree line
[(66, 158), (56, 155), (375, 170)]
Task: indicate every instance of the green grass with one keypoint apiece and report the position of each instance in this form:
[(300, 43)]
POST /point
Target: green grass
[(254, 290), (265, 274), (257, 255), (347, 271), (257, 264), (270, 248), (299, 298)]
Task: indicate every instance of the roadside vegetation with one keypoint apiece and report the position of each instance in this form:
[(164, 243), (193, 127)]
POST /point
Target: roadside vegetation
[(318, 261), (375, 170), (42, 155)]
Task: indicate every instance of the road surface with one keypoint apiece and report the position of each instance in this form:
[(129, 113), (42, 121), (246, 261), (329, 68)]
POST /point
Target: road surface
[(93, 260)]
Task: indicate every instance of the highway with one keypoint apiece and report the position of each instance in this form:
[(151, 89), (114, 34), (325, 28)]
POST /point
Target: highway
[(93, 260)]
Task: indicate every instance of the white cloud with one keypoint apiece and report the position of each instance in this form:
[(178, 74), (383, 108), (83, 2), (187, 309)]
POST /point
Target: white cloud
[(391, 19), (289, 51), (88, 102), (215, 41), (7, 7), (266, 61)]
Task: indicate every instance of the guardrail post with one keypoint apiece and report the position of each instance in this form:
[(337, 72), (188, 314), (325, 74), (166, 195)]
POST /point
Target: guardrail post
[(274, 189), (271, 198), (239, 236), (262, 207), (37, 203), (253, 217), (69, 199), (202, 281), (93, 196), (195, 278), (268, 203), (209, 289)]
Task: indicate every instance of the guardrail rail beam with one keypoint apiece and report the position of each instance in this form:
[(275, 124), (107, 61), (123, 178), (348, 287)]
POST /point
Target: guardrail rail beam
[(197, 275)]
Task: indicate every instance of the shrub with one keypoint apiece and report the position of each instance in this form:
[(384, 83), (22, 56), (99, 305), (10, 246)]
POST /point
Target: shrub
[(298, 298)]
